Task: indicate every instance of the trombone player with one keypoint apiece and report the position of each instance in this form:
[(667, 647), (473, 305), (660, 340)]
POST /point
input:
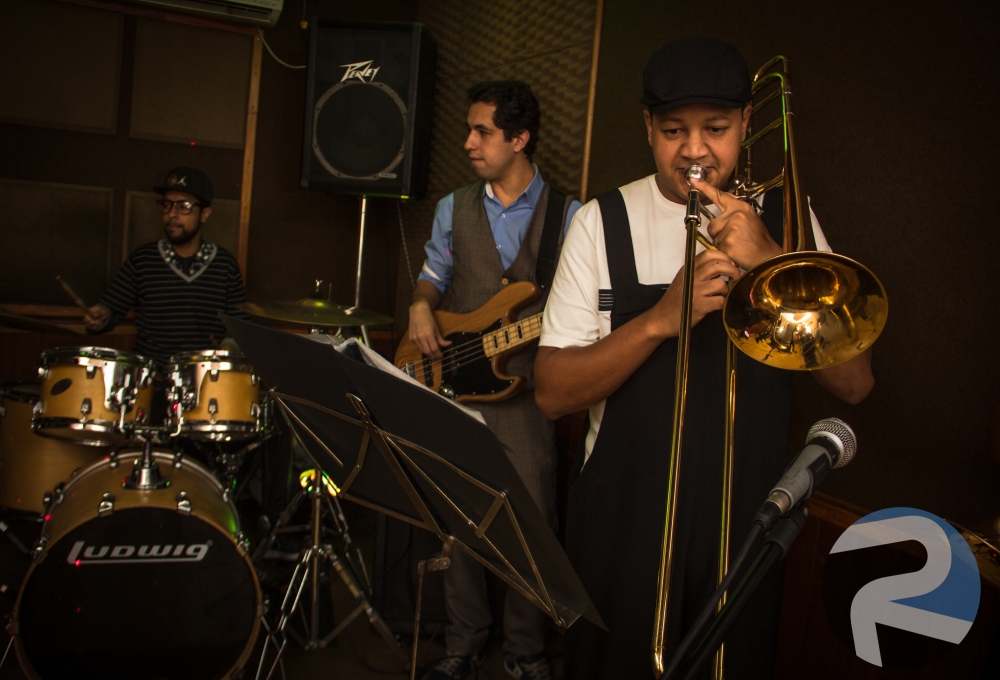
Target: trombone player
[(609, 345)]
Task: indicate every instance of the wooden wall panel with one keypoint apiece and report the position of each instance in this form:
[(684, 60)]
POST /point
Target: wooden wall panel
[(51, 229), (190, 85), (144, 222), (59, 65)]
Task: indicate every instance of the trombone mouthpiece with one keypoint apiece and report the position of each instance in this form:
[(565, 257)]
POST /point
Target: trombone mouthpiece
[(694, 171)]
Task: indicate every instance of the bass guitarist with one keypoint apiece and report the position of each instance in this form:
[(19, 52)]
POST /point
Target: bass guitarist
[(506, 227)]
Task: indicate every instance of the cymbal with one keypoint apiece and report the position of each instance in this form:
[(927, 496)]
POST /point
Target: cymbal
[(315, 313), (29, 323)]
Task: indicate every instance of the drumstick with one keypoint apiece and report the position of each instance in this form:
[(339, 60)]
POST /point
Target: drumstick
[(72, 293)]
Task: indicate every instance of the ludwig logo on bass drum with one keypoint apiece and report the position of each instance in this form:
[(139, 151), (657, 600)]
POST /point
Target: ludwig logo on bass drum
[(123, 554)]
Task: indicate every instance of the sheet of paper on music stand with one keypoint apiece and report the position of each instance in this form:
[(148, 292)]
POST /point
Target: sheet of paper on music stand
[(429, 463)]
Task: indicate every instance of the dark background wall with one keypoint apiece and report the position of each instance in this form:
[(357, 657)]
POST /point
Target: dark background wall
[(295, 236), (896, 122)]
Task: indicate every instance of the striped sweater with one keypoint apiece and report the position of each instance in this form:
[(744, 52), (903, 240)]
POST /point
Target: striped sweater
[(176, 310)]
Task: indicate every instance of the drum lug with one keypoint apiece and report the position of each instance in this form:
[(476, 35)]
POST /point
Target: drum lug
[(183, 503), (177, 462), (213, 375), (254, 379), (36, 410), (91, 371), (242, 544), (38, 553), (59, 493), (107, 505), (85, 406), (43, 372), (113, 460), (213, 407)]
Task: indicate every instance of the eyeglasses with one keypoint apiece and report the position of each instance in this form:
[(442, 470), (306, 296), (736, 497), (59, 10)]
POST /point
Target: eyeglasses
[(183, 207)]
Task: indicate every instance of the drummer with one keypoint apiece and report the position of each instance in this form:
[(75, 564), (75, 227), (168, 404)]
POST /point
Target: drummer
[(179, 284)]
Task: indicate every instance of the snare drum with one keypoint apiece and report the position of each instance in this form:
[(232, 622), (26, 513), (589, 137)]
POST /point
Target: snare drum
[(129, 583), (31, 465), (92, 395), (213, 394)]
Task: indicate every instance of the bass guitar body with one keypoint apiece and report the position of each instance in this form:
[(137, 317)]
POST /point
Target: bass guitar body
[(472, 367)]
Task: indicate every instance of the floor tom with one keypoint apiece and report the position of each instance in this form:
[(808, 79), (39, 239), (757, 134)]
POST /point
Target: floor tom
[(31, 466)]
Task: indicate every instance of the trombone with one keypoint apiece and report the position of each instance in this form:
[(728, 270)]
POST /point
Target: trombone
[(802, 310)]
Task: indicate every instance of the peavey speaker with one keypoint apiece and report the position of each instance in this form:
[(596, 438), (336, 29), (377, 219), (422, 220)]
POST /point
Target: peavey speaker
[(369, 102)]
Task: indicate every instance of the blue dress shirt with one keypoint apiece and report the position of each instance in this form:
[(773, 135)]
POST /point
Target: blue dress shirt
[(508, 224)]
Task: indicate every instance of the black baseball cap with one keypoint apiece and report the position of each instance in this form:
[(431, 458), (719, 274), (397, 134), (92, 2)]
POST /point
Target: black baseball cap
[(188, 180), (695, 70)]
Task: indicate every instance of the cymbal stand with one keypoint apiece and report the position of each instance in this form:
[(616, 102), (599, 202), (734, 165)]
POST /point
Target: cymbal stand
[(308, 571)]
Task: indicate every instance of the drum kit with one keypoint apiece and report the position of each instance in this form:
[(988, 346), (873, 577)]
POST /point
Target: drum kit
[(140, 568)]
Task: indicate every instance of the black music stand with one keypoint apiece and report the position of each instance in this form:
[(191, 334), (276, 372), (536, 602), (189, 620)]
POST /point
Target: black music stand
[(394, 446)]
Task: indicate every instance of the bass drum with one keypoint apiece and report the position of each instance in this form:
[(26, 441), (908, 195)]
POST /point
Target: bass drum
[(138, 584)]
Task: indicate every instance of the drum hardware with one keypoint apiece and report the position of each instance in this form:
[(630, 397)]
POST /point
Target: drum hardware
[(797, 311), (5, 530), (146, 473), (307, 570)]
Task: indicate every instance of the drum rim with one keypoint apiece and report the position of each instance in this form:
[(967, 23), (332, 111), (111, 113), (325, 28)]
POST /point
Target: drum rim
[(92, 353), (203, 356), (45, 427)]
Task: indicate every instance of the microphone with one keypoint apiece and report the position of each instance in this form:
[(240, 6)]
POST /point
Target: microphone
[(830, 444)]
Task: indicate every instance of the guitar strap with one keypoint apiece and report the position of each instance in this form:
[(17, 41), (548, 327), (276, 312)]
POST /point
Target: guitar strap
[(545, 267)]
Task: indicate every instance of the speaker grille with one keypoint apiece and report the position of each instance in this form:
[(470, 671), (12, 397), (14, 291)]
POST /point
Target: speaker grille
[(359, 130)]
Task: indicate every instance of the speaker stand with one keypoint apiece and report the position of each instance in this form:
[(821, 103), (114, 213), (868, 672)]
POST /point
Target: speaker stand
[(361, 250)]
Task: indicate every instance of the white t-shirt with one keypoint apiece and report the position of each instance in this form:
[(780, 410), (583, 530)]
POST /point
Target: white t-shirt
[(578, 311)]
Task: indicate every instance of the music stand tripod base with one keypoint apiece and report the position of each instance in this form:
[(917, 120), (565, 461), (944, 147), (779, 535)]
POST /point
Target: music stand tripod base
[(307, 570)]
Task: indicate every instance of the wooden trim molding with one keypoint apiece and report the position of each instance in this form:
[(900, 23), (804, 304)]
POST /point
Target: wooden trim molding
[(249, 148), (592, 91)]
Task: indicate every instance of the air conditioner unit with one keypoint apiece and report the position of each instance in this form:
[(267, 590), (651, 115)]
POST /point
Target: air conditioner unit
[(257, 12)]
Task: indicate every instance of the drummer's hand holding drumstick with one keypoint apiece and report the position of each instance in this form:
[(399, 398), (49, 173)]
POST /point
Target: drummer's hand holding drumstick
[(95, 317)]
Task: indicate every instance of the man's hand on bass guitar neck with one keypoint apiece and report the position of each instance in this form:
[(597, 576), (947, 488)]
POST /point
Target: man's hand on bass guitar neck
[(423, 329)]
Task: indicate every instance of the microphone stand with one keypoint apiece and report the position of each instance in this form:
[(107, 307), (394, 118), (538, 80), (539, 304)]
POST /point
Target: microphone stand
[(775, 547)]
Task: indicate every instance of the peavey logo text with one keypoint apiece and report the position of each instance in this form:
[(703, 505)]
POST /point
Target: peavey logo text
[(120, 554), (362, 70)]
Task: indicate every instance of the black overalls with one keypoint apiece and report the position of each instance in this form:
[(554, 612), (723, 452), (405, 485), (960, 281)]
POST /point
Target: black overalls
[(617, 504)]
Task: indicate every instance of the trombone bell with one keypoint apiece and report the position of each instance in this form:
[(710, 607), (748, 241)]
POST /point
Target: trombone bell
[(804, 311)]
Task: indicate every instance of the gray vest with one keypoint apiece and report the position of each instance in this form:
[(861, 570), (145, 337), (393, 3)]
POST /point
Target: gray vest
[(479, 275)]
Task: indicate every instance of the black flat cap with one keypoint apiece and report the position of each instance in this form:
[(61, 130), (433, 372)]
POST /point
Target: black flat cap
[(695, 70), (188, 180)]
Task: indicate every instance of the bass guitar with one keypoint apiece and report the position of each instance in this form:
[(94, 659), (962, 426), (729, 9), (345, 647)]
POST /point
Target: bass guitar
[(472, 367)]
